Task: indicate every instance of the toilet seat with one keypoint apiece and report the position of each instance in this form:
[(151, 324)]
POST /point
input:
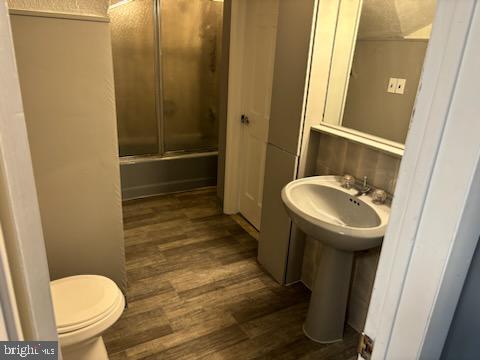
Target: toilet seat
[(84, 300), (85, 306), (90, 332)]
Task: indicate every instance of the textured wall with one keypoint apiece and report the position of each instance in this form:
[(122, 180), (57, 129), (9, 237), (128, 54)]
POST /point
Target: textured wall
[(337, 156), (83, 7), (395, 18)]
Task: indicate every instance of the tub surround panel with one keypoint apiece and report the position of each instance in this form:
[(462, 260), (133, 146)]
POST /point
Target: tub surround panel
[(338, 156)]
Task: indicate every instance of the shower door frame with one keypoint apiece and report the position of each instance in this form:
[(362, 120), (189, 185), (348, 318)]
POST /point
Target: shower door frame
[(158, 78), (159, 116)]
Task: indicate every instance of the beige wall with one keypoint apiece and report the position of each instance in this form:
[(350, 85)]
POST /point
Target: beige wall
[(369, 107), (66, 78), (337, 156)]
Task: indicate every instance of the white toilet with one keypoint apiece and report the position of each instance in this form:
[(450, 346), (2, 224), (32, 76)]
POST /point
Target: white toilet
[(85, 306)]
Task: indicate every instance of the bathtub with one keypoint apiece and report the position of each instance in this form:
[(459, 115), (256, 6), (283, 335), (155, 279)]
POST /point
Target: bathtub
[(143, 176)]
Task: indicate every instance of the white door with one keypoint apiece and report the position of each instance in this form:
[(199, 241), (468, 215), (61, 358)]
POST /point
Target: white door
[(259, 52)]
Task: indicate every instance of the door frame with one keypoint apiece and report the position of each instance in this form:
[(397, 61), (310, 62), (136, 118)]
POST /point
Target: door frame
[(426, 252), (25, 300), (234, 128)]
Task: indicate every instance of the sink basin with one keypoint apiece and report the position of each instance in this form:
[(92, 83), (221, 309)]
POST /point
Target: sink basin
[(343, 223), (323, 209)]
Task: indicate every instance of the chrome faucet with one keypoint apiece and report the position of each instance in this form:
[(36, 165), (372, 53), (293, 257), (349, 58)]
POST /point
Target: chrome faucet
[(364, 188)]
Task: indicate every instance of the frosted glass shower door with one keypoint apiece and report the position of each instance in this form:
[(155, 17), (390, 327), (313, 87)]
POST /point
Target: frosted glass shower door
[(190, 38), (134, 59)]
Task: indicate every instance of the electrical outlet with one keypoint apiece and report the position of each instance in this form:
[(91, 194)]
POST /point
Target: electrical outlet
[(392, 85), (400, 88)]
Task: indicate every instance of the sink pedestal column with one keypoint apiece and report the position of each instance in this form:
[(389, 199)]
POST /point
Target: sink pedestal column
[(328, 304)]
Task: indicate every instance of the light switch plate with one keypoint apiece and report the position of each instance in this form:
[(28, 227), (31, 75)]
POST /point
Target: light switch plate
[(392, 85), (400, 88)]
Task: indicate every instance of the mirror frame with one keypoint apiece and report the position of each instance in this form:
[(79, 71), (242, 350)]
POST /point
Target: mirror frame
[(319, 72), (372, 141)]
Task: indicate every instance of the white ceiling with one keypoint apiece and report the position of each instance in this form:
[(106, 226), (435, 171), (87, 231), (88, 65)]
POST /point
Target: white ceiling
[(395, 18)]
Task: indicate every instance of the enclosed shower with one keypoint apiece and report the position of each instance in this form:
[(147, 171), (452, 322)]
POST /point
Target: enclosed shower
[(166, 56)]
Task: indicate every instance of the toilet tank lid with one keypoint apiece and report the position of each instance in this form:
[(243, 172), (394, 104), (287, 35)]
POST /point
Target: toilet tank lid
[(80, 300)]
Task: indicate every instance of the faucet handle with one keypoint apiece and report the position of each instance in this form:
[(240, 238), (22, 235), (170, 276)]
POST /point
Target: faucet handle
[(365, 184), (379, 196), (347, 181)]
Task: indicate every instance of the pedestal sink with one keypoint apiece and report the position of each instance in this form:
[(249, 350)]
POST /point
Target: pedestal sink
[(343, 223)]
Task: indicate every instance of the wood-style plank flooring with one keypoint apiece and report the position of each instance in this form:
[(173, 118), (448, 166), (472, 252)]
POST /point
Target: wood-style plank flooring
[(196, 291)]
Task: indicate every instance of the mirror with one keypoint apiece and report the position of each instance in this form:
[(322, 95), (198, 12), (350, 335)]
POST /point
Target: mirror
[(376, 64)]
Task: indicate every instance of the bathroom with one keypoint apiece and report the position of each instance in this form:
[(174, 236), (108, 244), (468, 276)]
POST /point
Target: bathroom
[(230, 179)]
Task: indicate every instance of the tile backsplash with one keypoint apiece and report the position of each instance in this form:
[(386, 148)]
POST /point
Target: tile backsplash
[(338, 156)]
